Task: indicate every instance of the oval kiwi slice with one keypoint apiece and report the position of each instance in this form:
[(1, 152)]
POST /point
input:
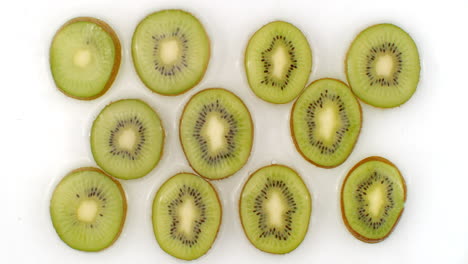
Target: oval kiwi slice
[(382, 66), (275, 207), (372, 199), (216, 133), (278, 62), (127, 139), (88, 209), (85, 58), (325, 122), (186, 216), (170, 51)]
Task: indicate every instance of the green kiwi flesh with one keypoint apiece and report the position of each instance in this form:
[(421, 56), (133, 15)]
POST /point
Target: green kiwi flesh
[(373, 197), (326, 122), (170, 51), (186, 216), (127, 139), (88, 209), (383, 66), (216, 133), (275, 207), (278, 62), (85, 58)]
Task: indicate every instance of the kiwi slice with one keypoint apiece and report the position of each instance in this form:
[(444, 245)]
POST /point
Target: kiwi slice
[(325, 122), (372, 199), (382, 66), (88, 209), (275, 208), (186, 216), (85, 58), (216, 133), (127, 139), (170, 51), (278, 62)]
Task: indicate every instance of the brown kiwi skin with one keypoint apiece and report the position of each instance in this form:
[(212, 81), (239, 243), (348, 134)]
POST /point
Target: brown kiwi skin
[(245, 62), (162, 128), (204, 70), (124, 199), (345, 220), (220, 213), (292, 129), (251, 124), (240, 204), (118, 53), (346, 69)]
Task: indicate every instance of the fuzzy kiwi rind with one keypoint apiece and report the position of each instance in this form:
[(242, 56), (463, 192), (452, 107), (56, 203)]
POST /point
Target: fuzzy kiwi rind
[(124, 205), (345, 220), (251, 124), (347, 75), (294, 138), (118, 54), (220, 214), (163, 136), (239, 206), (245, 63), (204, 70)]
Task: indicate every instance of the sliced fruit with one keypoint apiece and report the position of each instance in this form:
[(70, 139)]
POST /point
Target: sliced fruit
[(127, 139), (85, 58), (88, 209), (382, 66), (278, 62), (325, 122), (275, 208), (186, 216), (372, 199), (216, 133), (170, 51)]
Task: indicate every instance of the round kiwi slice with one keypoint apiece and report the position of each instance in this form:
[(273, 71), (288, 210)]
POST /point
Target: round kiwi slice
[(325, 122), (88, 209), (85, 58), (127, 139), (275, 208), (382, 66), (216, 133), (186, 216), (278, 62), (170, 51), (372, 199)]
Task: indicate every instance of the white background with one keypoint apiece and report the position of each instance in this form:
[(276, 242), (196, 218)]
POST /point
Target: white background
[(44, 134)]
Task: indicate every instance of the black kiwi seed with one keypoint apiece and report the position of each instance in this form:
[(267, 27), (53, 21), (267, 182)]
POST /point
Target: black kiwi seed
[(172, 210), (233, 129), (265, 58), (361, 193), (311, 110), (182, 63), (131, 155), (386, 47), (258, 210)]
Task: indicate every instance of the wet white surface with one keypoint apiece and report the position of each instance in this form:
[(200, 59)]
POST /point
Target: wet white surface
[(46, 134)]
